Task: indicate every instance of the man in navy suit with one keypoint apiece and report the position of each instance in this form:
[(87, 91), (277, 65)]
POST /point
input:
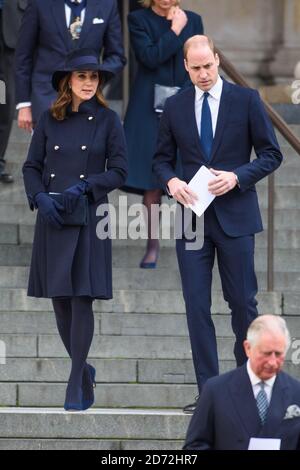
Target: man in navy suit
[(49, 31), (217, 124), (256, 400)]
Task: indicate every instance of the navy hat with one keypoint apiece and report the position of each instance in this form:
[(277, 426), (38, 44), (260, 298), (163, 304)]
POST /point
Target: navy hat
[(79, 59)]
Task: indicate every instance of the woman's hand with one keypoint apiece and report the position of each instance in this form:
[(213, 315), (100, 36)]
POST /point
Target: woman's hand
[(178, 18), (71, 195)]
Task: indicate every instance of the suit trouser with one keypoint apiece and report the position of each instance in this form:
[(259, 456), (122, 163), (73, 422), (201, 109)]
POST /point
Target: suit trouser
[(8, 110), (236, 267)]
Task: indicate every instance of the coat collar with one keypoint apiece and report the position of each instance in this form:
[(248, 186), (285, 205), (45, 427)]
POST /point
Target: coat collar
[(281, 398), (224, 111), (86, 107), (244, 402), (245, 405)]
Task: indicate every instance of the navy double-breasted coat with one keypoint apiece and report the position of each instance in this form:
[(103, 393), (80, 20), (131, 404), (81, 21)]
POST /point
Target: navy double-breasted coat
[(88, 145), (159, 54)]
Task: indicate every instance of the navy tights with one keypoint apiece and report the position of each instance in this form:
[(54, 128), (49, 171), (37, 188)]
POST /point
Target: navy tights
[(75, 323)]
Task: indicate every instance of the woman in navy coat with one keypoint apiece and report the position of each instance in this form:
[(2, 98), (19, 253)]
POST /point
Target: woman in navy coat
[(157, 33), (78, 147)]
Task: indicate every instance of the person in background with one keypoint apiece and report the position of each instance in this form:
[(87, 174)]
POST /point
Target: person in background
[(77, 151), (50, 30), (11, 12), (157, 34), (256, 400)]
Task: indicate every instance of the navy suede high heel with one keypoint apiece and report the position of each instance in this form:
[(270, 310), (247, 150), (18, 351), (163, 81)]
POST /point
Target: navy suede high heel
[(69, 406), (88, 395)]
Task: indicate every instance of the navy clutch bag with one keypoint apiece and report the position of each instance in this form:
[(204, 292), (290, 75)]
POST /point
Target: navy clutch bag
[(79, 215)]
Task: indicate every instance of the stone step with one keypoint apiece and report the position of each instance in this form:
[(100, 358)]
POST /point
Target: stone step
[(286, 219), (165, 277), (14, 234), (37, 423), (135, 324), (133, 301), (90, 444), (108, 395), (13, 254), (118, 371), (112, 347), (146, 324)]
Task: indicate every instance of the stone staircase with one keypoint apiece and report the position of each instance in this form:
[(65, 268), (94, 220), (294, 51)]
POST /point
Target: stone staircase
[(141, 348)]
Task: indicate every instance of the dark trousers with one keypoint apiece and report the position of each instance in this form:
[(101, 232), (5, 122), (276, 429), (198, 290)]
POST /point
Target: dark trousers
[(236, 266), (7, 111)]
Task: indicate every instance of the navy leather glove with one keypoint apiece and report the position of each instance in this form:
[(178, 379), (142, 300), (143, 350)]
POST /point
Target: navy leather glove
[(71, 195), (48, 209)]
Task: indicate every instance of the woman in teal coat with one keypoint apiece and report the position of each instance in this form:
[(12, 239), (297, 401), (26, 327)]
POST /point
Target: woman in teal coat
[(157, 33)]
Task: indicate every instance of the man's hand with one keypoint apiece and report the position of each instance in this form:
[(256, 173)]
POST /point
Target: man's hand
[(181, 192), (225, 182), (25, 118)]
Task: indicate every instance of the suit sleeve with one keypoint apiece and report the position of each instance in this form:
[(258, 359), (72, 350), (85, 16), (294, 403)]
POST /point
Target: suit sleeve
[(99, 185), (148, 52), (200, 433), (25, 52), (34, 165), (164, 161), (265, 144), (113, 55)]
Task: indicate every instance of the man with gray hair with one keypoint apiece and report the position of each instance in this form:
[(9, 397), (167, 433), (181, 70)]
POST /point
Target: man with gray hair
[(256, 400)]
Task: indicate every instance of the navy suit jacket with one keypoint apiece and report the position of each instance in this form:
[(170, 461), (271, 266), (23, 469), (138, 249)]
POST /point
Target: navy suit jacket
[(44, 41), (242, 124), (12, 13), (226, 416)]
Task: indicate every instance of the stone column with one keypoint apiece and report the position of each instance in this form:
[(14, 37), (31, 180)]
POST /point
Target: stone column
[(288, 54)]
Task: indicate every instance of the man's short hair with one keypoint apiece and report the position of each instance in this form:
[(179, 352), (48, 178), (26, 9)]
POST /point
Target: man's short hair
[(200, 40)]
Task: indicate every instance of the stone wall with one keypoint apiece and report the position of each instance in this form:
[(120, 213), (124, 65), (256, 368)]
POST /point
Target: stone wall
[(260, 37)]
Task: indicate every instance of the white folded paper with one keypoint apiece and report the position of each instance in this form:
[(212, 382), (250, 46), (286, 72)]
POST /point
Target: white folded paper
[(264, 444), (199, 184)]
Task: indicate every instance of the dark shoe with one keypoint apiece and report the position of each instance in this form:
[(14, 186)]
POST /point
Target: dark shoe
[(72, 406), (149, 265), (6, 178), (189, 409), (88, 392)]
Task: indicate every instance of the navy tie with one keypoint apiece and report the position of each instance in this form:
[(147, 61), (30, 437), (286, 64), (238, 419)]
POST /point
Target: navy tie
[(206, 135), (262, 403)]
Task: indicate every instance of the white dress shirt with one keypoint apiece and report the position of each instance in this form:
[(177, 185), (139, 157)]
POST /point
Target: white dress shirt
[(68, 19), (214, 100), (256, 381)]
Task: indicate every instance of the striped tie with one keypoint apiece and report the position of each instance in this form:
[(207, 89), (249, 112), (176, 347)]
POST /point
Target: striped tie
[(262, 403)]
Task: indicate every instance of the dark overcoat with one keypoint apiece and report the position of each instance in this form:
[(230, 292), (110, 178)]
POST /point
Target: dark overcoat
[(86, 145), (159, 54)]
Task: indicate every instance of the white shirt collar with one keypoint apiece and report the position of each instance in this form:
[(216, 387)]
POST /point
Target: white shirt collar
[(215, 91), (256, 380)]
